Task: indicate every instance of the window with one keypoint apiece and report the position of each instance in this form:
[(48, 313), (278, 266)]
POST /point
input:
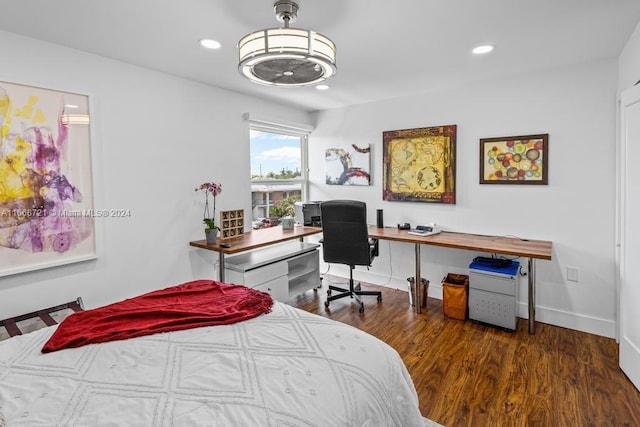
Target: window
[(278, 174)]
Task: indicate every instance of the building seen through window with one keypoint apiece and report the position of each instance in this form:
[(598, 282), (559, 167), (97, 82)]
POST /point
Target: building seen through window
[(278, 175)]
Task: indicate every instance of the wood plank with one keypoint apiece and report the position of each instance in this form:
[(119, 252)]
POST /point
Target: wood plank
[(75, 305), (469, 374), (257, 239), (539, 249), (46, 318), (11, 327)]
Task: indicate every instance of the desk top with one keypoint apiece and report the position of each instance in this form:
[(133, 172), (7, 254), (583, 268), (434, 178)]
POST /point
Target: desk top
[(540, 249), (257, 238)]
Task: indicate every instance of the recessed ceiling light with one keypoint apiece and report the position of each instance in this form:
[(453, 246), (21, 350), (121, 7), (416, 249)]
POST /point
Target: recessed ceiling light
[(479, 50), (210, 44), (322, 87)]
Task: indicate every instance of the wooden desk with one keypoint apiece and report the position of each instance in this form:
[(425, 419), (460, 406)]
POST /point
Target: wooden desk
[(253, 240), (532, 249)]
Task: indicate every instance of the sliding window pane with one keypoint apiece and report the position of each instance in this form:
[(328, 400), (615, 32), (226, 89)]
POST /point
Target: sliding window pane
[(277, 178)]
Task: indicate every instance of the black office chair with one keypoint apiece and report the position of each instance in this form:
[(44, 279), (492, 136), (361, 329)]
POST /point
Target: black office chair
[(345, 241)]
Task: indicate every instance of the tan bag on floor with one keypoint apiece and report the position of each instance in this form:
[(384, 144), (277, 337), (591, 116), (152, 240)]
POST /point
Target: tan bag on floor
[(455, 291)]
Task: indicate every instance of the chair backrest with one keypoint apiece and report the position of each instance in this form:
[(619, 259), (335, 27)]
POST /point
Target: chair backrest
[(344, 232)]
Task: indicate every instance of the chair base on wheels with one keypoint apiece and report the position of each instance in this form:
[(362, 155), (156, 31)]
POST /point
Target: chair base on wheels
[(352, 292)]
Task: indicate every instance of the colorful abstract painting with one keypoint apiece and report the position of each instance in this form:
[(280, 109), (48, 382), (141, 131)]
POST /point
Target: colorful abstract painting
[(46, 197), (348, 165), (515, 160)]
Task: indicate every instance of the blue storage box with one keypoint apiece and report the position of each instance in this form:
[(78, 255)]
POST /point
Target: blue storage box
[(510, 269)]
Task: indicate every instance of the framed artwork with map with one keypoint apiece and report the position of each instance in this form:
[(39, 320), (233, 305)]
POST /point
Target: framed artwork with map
[(420, 164)]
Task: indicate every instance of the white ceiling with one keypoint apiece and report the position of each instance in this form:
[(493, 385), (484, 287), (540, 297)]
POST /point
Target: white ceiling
[(386, 48)]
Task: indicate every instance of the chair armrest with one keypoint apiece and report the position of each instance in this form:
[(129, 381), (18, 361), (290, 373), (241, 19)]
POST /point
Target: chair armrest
[(373, 244)]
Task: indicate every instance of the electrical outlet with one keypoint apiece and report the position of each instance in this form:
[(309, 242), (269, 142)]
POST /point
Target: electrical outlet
[(573, 274)]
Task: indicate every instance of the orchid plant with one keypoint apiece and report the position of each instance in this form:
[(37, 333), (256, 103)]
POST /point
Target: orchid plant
[(210, 189)]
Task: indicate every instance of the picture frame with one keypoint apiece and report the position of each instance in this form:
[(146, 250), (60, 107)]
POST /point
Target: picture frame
[(46, 197), (419, 165), (517, 160), (348, 165)]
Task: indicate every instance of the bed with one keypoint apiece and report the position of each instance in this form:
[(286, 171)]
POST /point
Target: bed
[(284, 368)]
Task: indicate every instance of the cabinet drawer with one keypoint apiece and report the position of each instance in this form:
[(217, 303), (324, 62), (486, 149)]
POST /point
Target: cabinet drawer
[(277, 288), (260, 275), (493, 308), (266, 273), (502, 284)]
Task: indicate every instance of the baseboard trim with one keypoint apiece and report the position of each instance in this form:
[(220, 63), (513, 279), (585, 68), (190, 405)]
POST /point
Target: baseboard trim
[(575, 321)]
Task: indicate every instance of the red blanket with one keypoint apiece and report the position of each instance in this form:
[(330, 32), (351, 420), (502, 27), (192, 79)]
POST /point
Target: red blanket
[(190, 305)]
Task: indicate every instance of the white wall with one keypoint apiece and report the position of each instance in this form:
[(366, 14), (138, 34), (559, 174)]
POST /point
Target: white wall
[(576, 107), (155, 138), (629, 61)]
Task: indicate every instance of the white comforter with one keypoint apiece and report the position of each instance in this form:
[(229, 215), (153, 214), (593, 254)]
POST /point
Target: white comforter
[(286, 368)]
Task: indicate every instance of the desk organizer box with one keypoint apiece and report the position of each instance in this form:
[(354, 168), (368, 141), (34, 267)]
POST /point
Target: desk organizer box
[(231, 223), (493, 294), (455, 289)]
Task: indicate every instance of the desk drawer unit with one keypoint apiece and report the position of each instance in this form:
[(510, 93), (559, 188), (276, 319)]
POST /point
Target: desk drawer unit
[(493, 295), (271, 278), (283, 271)]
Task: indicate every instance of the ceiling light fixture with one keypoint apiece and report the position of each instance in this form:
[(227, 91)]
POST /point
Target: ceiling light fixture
[(286, 56)]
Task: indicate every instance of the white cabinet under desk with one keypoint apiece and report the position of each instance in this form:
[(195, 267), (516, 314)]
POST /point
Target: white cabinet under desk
[(284, 270)]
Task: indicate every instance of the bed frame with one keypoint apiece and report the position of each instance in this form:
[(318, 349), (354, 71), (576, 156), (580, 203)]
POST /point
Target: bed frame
[(11, 325)]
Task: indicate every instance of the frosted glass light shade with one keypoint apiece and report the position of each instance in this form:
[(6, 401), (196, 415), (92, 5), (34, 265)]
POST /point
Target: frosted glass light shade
[(286, 57)]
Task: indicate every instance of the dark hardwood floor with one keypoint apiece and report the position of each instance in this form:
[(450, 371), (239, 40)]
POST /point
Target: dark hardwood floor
[(467, 374)]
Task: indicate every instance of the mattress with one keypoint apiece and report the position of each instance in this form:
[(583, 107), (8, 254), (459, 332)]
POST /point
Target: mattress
[(284, 368)]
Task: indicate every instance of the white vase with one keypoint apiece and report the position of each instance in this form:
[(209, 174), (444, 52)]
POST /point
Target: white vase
[(211, 235)]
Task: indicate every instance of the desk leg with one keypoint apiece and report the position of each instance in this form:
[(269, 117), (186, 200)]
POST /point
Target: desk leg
[(418, 279), (532, 296), (221, 266)]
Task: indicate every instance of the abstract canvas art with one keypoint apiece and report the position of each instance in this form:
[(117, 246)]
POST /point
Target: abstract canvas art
[(46, 195), (348, 165)]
